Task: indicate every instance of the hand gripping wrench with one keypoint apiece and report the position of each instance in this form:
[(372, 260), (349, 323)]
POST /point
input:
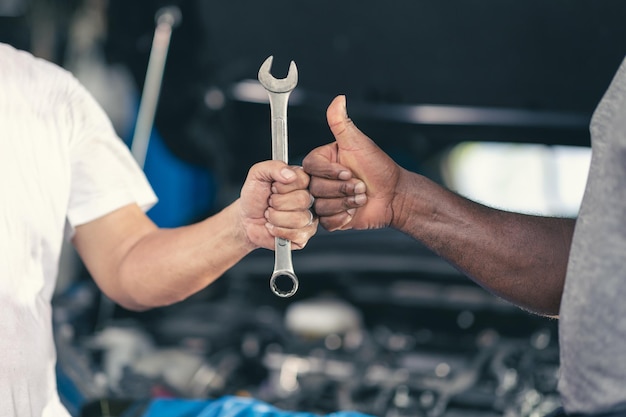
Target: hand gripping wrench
[(278, 91)]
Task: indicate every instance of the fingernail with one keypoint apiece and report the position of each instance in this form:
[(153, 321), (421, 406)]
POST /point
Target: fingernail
[(360, 188), (287, 173), (266, 214), (269, 226), (344, 175), (351, 212), (274, 189), (360, 199)]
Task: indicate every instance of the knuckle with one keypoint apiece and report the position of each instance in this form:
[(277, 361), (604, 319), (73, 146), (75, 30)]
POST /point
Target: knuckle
[(314, 186), (328, 224), (305, 199)]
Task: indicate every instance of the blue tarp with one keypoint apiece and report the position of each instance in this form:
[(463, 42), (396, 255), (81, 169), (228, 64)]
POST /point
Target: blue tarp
[(228, 406)]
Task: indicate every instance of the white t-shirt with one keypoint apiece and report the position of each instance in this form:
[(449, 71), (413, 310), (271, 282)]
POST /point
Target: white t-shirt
[(61, 165)]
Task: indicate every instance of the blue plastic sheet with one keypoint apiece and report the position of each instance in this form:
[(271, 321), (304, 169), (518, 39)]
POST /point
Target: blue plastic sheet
[(228, 406)]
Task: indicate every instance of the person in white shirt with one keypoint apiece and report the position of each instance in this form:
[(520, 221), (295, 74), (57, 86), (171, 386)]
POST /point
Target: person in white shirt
[(64, 173)]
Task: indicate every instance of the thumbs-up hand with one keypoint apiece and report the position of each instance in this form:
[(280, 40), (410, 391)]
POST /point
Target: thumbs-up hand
[(353, 181)]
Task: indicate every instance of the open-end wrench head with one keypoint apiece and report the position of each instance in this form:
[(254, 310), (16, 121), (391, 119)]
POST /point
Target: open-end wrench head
[(278, 85)]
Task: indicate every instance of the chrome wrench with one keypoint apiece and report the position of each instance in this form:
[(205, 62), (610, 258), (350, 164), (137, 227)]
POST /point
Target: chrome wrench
[(278, 91)]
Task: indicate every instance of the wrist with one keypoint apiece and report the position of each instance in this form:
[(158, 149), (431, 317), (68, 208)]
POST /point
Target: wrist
[(239, 230), (409, 204)]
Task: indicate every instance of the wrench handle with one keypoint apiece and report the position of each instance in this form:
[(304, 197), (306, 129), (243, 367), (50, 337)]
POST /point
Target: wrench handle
[(280, 151), (283, 266), (278, 108)]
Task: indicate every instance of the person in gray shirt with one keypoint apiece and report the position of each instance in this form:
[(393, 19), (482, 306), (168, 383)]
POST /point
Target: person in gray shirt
[(573, 269)]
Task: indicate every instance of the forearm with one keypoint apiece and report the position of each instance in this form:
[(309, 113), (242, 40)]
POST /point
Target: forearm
[(169, 265), (141, 266), (518, 257)]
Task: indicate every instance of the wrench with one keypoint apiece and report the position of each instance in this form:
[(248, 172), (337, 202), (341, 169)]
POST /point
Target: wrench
[(278, 91)]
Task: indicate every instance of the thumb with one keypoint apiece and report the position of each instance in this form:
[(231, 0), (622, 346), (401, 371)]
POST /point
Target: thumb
[(347, 135)]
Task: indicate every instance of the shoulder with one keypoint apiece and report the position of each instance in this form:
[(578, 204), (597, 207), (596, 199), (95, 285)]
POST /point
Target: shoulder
[(608, 121), (59, 93), (31, 74)]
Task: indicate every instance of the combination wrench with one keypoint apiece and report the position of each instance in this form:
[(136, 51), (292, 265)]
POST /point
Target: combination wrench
[(278, 91)]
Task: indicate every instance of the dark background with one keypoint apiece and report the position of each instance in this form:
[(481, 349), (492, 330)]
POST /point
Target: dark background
[(553, 59), (542, 56)]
